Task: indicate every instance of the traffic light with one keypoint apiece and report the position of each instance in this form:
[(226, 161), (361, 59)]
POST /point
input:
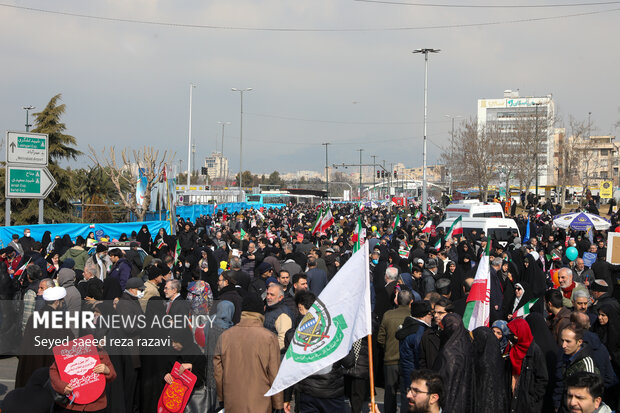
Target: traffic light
[(204, 170), (382, 174), (378, 174), (395, 175)]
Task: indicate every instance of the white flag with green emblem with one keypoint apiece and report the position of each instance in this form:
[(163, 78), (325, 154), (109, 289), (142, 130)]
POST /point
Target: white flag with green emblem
[(334, 322)]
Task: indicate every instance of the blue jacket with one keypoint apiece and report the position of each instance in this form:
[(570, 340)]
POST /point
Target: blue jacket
[(121, 271), (409, 336)]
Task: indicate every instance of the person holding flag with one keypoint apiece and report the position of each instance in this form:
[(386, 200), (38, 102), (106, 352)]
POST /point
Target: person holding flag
[(328, 330)]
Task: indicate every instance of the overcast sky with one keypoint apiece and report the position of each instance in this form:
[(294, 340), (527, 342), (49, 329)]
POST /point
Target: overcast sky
[(349, 79)]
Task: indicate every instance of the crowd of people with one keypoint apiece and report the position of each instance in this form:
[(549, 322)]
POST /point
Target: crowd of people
[(552, 344)]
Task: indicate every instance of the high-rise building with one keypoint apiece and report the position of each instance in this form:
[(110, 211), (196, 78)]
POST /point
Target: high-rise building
[(507, 112), (217, 166)]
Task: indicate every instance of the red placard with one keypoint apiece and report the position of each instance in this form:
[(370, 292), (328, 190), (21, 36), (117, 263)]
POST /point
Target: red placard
[(175, 396), (76, 362)]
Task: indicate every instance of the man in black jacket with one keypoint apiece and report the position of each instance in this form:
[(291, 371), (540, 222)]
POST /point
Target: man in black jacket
[(228, 292)]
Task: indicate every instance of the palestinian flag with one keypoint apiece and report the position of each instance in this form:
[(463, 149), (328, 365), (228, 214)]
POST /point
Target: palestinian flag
[(525, 310), (177, 252), (455, 229), (160, 243), (437, 245), (417, 214), (396, 222), (20, 270), (428, 227), (317, 224), (478, 308), (327, 220), (357, 235)]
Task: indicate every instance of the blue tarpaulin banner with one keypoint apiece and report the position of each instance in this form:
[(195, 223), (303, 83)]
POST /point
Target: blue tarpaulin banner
[(111, 230), (194, 211)]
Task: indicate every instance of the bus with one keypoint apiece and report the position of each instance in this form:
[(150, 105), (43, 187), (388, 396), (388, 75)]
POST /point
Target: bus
[(282, 198)]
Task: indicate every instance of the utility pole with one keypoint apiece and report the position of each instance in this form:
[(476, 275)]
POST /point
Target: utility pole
[(189, 145), (326, 171), (360, 190), (374, 183)]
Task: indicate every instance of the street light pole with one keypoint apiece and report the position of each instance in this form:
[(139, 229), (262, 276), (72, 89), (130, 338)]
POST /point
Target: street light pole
[(222, 150), (189, 144), (424, 190), (27, 109), (451, 152), (536, 151), (241, 136), (326, 171)]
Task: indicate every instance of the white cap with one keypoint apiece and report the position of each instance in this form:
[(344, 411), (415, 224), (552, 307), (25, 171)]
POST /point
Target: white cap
[(54, 293)]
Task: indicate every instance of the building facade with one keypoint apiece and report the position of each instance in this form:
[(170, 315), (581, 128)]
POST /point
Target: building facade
[(507, 112), (217, 166)]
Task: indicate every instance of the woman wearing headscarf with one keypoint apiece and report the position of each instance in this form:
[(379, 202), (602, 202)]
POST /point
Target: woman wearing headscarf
[(501, 331), (533, 275), (66, 244), (200, 300), (490, 395), (455, 364), (144, 238), (455, 275), (529, 375), (162, 244), (466, 257), (46, 240), (543, 337), (607, 327)]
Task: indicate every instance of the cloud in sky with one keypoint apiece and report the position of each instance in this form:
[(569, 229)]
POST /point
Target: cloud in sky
[(127, 84)]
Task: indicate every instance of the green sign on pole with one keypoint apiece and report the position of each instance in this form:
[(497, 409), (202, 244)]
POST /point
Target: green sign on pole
[(29, 182)]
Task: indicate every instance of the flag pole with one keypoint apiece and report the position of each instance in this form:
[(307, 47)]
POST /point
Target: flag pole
[(369, 337), (372, 377)]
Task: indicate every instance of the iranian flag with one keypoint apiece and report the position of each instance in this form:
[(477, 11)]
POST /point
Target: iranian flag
[(357, 235), (396, 222), (525, 310), (20, 270), (428, 226), (160, 243), (478, 306), (317, 224), (417, 214), (327, 220), (456, 228), (177, 252), (437, 245)]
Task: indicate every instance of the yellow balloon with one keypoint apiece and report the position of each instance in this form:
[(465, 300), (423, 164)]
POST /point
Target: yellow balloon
[(374, 229)]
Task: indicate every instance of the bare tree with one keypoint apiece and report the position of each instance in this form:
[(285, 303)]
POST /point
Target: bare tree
[(475, 156), (124, 173)]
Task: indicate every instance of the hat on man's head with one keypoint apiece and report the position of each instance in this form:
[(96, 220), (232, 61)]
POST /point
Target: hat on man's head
[(101, 248), (264, 267), (54, 293), (420, 309), (134, 282), (153, 272), (600, 286), (253, 304)]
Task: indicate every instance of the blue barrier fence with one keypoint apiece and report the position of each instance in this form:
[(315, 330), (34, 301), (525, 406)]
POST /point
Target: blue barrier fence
[(112, 230)]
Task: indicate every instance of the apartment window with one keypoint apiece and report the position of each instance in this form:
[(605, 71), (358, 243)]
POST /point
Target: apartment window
[(604, 174), (604, 152)]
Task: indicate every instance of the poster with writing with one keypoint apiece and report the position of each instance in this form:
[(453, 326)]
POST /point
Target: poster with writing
[(175, 396), (76, 362), (613, 247)]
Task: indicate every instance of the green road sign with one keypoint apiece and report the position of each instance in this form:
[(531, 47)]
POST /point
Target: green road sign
[(28, 182), (27, 148)]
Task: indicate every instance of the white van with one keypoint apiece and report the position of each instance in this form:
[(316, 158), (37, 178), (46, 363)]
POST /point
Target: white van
[(474, 209), (498, 229)]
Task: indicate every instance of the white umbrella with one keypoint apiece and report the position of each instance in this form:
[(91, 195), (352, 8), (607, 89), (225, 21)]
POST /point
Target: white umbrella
[(581, 221)]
